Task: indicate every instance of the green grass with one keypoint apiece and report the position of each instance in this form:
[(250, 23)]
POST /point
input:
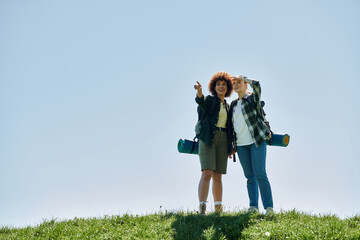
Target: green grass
[(180, 225)]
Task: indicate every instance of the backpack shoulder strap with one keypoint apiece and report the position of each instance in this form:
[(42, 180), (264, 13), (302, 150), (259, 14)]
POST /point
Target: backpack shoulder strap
[(262, 113)]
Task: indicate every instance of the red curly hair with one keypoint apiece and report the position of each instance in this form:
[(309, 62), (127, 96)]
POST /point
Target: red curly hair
[(221, 76)]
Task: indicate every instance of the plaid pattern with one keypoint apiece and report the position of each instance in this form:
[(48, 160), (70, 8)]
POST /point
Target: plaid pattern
[(251, 110)]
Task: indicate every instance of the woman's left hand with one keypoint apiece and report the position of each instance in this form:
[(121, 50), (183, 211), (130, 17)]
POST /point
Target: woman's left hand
[(232, 153)]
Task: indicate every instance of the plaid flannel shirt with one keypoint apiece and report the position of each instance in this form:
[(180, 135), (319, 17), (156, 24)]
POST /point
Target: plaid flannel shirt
[(251, 110)]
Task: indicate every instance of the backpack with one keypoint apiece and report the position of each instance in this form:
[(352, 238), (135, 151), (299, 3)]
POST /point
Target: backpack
[(263, 114)]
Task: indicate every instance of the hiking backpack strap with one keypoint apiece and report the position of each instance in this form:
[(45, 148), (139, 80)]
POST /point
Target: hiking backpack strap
[(263, 114), (231, 110)]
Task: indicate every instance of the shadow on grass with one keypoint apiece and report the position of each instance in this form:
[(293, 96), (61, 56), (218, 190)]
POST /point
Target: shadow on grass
[(212, 226)]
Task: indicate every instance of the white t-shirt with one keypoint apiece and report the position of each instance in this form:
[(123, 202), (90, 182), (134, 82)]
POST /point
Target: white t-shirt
[(243, 135)]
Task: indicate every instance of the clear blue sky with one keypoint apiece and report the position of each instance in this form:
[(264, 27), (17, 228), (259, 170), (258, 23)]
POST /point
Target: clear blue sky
[(96, 94)]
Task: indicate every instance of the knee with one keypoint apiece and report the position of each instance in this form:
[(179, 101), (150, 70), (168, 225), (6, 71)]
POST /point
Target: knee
[(261, 176), (206, 175), (251, 179), (250, 175), (217, 177)]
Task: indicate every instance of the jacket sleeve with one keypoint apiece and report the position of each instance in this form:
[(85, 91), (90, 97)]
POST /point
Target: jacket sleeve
[(204, 102), (255, 85)]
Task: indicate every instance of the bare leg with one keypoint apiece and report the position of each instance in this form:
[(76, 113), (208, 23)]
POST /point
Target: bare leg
[(217, 190), (217, 187), (204, 183)]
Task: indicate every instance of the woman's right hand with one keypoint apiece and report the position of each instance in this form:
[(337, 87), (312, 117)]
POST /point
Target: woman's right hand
[(199, 89)]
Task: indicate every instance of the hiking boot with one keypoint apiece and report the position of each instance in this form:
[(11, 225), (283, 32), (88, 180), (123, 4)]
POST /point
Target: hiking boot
[(219, 208), (202, 208), (269, 211), (253, 209)]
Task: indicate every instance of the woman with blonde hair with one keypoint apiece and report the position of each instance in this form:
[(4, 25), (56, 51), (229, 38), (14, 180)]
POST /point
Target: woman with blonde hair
[(250, 135)]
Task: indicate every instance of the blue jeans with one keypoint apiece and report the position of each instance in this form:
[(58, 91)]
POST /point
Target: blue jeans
[(253, 160)]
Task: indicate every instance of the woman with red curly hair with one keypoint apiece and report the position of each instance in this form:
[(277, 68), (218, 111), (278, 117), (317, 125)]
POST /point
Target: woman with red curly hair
[(215, 137)]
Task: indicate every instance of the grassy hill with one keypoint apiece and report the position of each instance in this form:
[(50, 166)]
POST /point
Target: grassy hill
[(233, 225)]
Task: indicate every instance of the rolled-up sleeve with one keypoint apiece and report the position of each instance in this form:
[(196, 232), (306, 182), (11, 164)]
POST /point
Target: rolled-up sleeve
[(255, 85)]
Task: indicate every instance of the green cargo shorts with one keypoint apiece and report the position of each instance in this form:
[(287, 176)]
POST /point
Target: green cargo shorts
[(214, 157)]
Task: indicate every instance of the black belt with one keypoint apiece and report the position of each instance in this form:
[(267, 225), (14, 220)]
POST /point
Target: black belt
[(221, 129)]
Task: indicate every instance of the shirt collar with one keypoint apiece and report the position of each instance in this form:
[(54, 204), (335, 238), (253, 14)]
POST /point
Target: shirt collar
[(247, 94), (220, 99)]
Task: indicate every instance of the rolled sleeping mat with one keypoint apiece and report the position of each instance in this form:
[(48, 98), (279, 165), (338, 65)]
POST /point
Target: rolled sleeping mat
[(192, 147), (280, 140), (188, 146)]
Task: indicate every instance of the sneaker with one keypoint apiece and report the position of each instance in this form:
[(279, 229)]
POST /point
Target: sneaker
[(253, 210), (202, 208), (219, 208), (269, 211)]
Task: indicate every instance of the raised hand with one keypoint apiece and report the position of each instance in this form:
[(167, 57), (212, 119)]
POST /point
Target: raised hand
[(238, 77), (199, 89)]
